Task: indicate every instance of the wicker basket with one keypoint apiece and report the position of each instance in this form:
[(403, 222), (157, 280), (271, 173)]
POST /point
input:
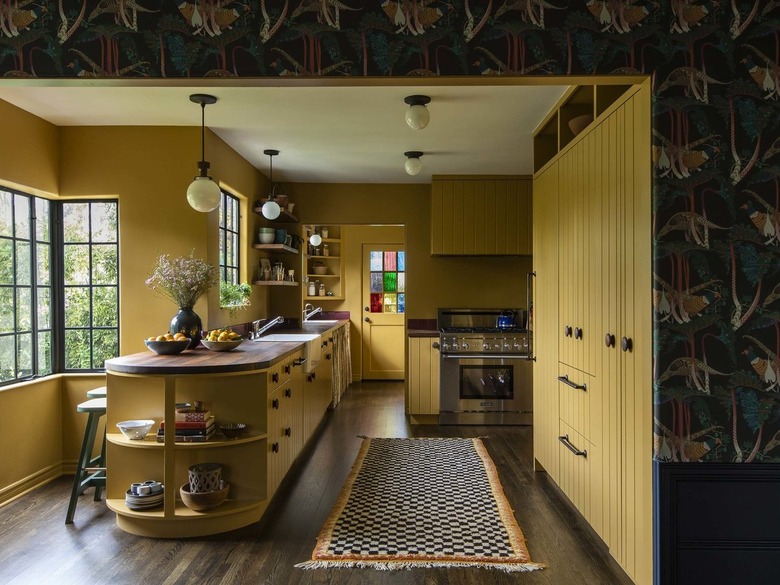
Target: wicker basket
[(319, 269)]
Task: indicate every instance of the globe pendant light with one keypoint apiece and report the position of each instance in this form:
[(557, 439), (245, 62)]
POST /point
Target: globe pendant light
[(417, 116), (203, 194), (271, 209), (413, 165)]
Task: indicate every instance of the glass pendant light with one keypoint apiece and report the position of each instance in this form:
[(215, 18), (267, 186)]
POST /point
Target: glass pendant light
[(413, 165), (417, 116), (271, 209), (203, 194)]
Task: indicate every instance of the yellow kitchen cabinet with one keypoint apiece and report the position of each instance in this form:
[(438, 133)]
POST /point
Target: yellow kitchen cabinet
[(481, 215), (422, 377), (544, 319), (285, 418), (603, 242), (317, 389)]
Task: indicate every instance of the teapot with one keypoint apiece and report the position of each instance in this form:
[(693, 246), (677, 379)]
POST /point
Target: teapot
[(506, 319)]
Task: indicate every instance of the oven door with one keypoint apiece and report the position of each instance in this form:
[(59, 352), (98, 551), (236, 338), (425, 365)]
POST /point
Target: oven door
[(477, 390)]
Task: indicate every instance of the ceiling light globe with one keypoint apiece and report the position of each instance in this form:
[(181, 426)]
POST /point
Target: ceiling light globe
[(271, 210), (417, 117), (413, 166), (315, 239), (203, 194)]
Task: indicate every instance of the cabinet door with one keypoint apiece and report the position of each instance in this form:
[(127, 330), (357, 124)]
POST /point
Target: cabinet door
[(544, 317), (276, 457), (422, 395)]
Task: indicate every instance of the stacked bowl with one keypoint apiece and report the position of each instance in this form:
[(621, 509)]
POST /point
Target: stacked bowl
[(266, 235)]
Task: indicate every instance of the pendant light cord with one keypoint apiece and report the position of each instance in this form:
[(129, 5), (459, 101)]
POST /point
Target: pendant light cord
[(203, 132)]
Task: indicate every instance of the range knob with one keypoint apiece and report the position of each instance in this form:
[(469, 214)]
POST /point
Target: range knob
[(465, 345), (445, 346), (516, 346), (497, 346), (486, 346), (455, 345), (507, 345)]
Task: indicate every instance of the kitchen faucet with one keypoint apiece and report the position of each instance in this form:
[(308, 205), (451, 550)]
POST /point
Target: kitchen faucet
[(309, 311), (257, 331)]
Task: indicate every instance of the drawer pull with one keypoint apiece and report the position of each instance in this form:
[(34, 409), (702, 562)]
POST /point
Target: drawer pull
[(299, 362), (327, 356), (275, 404), (567, 331), (566, 443), (626, 344), (287, 432), (275, 377), (565, 380), (275, 447), (287, 369), (577, 333), (609, 340), (288, 392)]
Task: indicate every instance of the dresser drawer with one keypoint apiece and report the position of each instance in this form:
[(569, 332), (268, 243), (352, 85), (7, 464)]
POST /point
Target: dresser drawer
[(577, 477), (575, 391)]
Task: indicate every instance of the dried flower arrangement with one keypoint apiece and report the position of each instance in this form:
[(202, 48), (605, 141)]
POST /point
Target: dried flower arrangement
[(183, 280)]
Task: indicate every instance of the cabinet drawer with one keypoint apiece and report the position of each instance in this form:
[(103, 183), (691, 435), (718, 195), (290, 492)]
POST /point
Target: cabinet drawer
[(575, 469), (575, 390)]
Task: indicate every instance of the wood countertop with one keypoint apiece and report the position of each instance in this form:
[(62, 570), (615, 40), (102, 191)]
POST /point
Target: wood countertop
[(248, 356)]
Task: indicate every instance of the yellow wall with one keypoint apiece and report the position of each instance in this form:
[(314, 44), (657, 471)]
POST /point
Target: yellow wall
[(149, 169), (29, 159), (432, 282)]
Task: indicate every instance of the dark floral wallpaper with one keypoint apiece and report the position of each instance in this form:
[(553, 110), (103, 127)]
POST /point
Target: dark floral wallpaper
[(715, 67)]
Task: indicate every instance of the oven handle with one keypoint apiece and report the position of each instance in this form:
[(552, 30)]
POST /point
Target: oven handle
[(483, 356)]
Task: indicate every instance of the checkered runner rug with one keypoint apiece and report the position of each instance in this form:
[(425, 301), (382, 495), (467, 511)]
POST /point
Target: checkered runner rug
[(411, 503)]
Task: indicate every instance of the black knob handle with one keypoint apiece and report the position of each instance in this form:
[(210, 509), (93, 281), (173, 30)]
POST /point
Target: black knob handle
[(309, 378), (366, 319), (275, 377), (287, 432), (313, 375), (577, 333), (435, 345), (567, 330), (288, 393), (366, 309), (275, 447), (287, 369), (327, 356), (609, 340), (275, 404), (626, 344)]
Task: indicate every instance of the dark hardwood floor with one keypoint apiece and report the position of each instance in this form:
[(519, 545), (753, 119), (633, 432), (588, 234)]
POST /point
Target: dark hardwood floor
[(36, 547)]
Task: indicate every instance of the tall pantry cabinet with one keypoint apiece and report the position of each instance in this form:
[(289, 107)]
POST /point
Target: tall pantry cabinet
[(593, 325)]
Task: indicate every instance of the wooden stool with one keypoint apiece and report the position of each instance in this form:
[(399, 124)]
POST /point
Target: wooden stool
[(99, 392), (90, 471)]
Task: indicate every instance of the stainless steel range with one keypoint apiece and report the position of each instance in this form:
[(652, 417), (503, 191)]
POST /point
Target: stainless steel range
[(485, 368)]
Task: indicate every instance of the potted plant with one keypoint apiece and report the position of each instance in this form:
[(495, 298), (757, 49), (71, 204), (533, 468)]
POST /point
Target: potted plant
[(183, 280), (234, 297)]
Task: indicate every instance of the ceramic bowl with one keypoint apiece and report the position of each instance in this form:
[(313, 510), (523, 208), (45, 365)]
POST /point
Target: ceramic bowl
[(221, 345), (266, 230), (167, 347), (579, 123), (205, 501), (135, 429), (232, 430), (266, 238)]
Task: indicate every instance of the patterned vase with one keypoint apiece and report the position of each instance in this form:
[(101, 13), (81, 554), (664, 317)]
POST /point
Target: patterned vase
[(188, 322)]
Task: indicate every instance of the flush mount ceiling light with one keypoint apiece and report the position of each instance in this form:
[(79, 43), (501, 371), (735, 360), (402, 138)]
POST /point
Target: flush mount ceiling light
[(417, 116), (203, 194), (271, 209), (315, 239), (413, 165)]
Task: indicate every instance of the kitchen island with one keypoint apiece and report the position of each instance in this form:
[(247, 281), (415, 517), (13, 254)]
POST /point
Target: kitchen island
[(261, 384)]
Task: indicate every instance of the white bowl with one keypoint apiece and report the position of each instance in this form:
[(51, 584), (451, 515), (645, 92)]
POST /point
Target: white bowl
[(135, 429), (266, 238)]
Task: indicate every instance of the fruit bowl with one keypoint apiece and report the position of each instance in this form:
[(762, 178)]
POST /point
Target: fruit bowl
[(204, 501), (167, 347), (135, 429), (232, 430), (221, 345)]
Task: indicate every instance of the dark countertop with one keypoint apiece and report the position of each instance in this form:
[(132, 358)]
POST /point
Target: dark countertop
[(248, 356)]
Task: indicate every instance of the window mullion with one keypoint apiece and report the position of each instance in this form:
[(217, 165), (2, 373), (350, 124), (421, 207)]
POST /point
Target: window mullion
[(57, 289)]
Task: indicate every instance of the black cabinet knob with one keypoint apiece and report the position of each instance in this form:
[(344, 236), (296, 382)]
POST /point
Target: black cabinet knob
[(288, 393), (567, 330), (626, 344), (577, 333), (609, 340), (287, 432), (287, 369), (275, 447), (275, 377), (275, 404)]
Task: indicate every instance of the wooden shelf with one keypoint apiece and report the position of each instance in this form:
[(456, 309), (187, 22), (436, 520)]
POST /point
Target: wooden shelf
[(315, 276), (284, 216), (325, 298), (181, 511), (276, 248), (326, 257), (274, 283)]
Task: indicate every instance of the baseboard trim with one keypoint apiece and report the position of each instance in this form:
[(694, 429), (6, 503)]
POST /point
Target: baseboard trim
[(17, 489)]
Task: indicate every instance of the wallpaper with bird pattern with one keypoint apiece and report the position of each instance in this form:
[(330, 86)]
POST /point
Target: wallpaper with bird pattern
[(715, 67)]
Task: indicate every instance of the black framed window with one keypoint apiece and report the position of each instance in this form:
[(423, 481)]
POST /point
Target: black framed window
[(59, 285), (229, 238)]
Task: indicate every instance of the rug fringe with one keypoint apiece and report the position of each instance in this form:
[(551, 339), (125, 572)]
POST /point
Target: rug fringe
[(409, 565)]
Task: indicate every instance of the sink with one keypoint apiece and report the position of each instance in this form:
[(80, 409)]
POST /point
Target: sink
[(300, 337), (312, 346), (322, 321)]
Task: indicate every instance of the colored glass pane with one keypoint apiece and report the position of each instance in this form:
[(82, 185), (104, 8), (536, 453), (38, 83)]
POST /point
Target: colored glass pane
[(401, 303), (390, 309), (401, 282), (376, 302), (390, 260), (390, 281), (375, 261), (390, 298), (401, 261), (376, 282)]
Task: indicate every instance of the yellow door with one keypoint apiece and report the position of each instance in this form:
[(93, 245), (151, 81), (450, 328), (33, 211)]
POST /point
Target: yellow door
[(384, 303)]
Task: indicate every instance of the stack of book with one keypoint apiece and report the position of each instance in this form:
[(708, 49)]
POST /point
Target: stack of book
[(191, 427)]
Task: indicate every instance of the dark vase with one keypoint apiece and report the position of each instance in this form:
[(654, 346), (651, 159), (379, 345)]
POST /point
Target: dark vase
[(188, 322)]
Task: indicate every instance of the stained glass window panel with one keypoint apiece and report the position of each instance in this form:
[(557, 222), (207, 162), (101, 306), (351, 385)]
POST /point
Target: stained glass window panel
[(390, 262), (390, 299), (376, 282), (375, 262), (401, 261), (390, 281), (401, 303), (376, 302), (390, 309), (401, 282)]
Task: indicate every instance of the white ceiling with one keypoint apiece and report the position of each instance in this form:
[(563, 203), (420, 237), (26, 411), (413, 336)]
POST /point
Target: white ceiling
[(325, 134)]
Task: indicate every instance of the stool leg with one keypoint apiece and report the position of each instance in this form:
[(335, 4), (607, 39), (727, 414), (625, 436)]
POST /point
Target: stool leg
[(83, 463), (98, 486)]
